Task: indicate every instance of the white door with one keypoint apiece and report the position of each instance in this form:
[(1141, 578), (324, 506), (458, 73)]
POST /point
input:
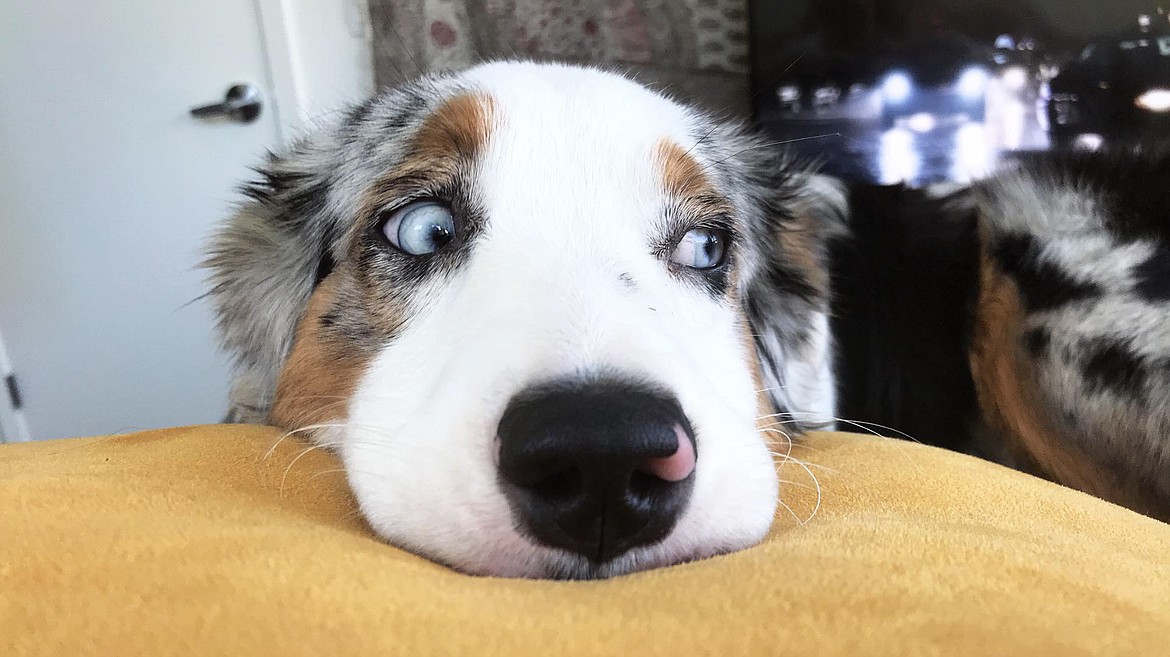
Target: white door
[(108, 189)]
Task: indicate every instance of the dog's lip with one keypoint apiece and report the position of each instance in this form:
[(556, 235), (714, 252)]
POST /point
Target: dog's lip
[(676, 467)]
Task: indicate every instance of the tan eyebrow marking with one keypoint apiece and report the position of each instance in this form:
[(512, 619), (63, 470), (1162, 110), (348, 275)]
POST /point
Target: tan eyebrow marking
[(442, 150), (325, 364), (459, 128), (682, 175)]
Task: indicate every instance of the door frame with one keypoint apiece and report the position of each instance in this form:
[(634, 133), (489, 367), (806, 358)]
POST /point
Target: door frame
[(319, 56), (13, 425)]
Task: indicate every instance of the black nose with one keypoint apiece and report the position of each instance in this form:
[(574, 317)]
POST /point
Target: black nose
[(597, 468)]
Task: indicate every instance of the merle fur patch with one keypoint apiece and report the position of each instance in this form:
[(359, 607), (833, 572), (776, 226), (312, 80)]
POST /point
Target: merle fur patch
[(1036, 341), (1131, 188), (1044, 285), (1113, 366)]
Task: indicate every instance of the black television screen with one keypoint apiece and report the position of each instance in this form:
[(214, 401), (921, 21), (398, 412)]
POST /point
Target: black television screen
[(925, 91)]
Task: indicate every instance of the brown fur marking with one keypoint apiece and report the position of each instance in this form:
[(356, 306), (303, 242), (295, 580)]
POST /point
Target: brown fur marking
[(458, 128), (681, 173), (767, 424), (444, 149), (684, 181), (764, 408), (322, 371)]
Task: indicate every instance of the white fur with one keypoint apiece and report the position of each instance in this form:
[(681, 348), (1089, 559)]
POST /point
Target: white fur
[(1020, 203)]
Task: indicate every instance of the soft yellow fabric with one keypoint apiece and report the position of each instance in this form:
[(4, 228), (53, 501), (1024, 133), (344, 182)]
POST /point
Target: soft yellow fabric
[(200, 541)]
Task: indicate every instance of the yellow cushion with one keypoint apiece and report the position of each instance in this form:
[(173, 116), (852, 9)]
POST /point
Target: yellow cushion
[(202, 541)]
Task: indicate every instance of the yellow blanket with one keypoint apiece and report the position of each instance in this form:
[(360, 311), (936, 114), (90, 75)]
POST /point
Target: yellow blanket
[(200, 541)]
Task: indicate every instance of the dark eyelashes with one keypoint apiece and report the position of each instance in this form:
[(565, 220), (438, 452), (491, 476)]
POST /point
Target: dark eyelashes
[(402, 200), (680, 223), (721, 223)]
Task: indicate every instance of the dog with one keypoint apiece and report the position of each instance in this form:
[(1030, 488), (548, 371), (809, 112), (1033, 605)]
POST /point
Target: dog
[(558, 325)]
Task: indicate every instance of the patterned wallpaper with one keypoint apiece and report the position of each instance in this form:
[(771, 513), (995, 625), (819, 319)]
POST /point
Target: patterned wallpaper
[(696, 48)]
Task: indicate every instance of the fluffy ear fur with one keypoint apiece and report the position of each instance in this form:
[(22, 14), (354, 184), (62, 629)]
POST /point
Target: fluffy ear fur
[(264, 264), (788, 302), (791, 215)]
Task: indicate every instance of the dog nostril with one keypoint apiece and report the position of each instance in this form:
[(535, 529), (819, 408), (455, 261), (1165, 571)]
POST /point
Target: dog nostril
[(645, 489), (676, 467)]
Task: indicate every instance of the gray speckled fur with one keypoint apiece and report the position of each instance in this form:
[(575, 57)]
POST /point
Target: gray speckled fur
[(1126, 428)]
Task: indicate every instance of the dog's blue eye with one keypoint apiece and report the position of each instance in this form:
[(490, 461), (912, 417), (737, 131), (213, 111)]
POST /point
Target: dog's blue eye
[(420, 228), (701, 248)]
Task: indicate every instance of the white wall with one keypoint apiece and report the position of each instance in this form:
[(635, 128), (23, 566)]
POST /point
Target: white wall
[(110, 188)]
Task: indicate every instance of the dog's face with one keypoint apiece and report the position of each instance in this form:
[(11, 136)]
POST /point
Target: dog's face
[(544, 315)]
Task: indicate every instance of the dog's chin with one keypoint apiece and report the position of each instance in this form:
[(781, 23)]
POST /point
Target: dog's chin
[(553, 564), (504, 552)]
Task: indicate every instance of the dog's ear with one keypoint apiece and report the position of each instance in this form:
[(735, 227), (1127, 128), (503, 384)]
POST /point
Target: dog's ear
[(792, 216), (264, 263)]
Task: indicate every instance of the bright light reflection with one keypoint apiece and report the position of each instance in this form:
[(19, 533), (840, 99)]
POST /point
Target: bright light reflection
[(975, 156), (973, 83), (1015, 78), (922, 122), (898, 87), (1154, 100), (898, 160), (1089, 142), (1013, 124)]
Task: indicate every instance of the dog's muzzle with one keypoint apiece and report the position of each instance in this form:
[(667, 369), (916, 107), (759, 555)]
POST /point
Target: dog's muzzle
[(596, 469)]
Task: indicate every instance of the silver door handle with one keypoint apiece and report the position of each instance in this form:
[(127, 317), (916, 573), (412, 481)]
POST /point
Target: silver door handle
[(241, 104)]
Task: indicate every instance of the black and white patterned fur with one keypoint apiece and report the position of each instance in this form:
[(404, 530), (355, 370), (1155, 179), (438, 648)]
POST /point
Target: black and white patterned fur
[(1088, 242)]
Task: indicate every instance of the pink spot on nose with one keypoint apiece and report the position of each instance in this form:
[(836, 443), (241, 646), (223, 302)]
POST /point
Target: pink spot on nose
[(677, 466)]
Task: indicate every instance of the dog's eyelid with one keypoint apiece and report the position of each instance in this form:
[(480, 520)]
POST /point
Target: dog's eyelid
[(720, 222), (682, 225), (401, 202)]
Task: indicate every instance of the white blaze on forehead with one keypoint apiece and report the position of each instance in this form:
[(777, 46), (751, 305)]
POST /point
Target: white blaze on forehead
[(582, 105), (569, 137)]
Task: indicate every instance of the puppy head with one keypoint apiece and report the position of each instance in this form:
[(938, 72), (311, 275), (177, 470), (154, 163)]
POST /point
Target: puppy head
[(543, 314)]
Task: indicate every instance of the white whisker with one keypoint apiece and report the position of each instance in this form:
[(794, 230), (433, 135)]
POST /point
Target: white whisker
[(815, 483), (294, 462), (789, 510)]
